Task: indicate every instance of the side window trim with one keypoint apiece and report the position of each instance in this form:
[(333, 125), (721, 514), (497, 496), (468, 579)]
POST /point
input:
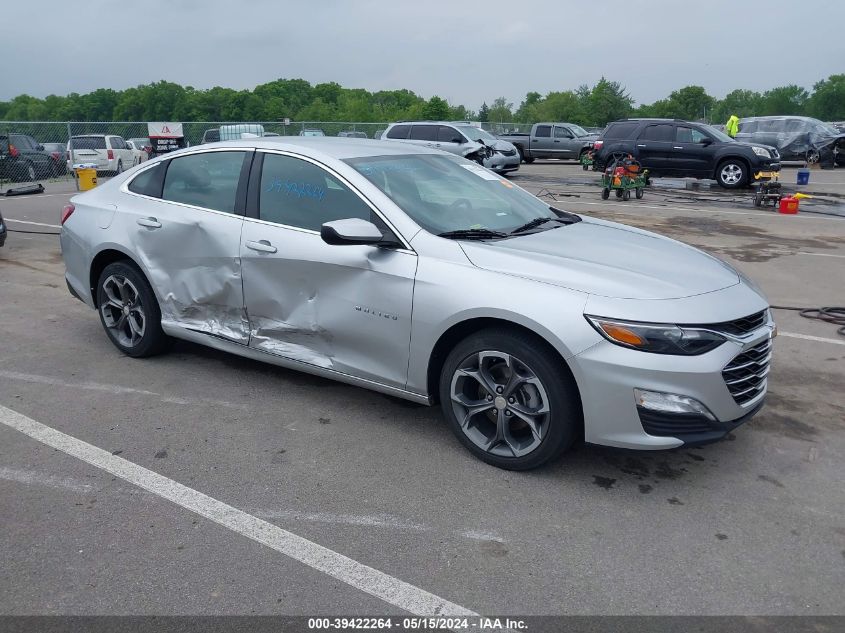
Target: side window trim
[(255, 193)]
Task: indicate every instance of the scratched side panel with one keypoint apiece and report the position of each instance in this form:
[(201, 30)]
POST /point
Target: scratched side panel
[(346, 308), (193, 263)]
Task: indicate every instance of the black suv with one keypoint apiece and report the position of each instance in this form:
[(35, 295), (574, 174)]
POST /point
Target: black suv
[(668, 147), (23, 158)]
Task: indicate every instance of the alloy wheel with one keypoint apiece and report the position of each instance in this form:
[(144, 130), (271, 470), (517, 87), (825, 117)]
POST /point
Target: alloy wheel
[(731, 174), (123, 311), (500, 403)]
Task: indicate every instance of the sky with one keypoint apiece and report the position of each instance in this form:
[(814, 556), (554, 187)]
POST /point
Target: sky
[(467, 52)]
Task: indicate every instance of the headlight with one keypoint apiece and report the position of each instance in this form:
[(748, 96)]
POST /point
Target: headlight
[(657, 338), (762, 151)]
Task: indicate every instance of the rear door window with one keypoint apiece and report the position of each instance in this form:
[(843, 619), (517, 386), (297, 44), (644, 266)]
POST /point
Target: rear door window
[(424, 132), (399, 131), (544, 131), (659, 132), (447, 134), (209, 180)]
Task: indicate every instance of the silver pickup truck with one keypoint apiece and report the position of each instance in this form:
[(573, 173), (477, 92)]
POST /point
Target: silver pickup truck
[(565, 141)]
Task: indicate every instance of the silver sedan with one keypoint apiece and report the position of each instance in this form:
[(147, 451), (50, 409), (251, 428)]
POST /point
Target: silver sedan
[(423, 275)]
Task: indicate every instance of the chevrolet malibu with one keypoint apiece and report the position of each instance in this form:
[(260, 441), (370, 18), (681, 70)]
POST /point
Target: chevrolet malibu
[(422, 275)]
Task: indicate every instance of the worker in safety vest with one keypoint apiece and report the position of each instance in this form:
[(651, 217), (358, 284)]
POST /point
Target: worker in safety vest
[(732, 126)]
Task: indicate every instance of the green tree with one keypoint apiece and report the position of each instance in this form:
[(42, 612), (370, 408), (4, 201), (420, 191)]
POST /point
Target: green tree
[(784, 100), (500, 111), (740, 102), (436, 109), (525, 112), (607, 101), (828, 99), (484, 113)]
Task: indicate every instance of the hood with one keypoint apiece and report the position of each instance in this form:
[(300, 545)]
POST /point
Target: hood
[(605, 259)]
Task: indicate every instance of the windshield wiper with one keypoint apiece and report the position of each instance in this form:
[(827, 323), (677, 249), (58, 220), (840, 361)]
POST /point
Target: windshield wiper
[(472, 234), (566, 218)]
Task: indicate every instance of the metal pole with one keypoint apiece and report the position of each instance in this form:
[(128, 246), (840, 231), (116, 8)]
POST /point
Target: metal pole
[(70, 145)]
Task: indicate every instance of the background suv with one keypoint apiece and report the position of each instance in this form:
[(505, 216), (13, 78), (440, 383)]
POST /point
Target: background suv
[(681, 148), (462, 139), (23, 158)]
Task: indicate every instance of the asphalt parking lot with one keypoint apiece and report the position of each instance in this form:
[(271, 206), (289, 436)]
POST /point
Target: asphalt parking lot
[(751, 525)]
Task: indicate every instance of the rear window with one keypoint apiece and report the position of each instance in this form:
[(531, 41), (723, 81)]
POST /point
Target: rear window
[(621, 130), (399, 131), (89, 142), (21, 141)]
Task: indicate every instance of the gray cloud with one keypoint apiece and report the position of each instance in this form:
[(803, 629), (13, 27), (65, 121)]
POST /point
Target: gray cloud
[(467, 52)]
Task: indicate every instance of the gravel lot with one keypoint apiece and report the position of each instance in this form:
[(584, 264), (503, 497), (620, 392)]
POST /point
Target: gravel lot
[(752, 525)]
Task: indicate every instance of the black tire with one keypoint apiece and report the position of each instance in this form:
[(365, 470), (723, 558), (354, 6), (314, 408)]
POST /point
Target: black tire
[(559, 426), (732, 174), (605, 193), (528, 159), (626, 195), (618, 193), (586, 167), (758, 200), (119, 169), (521, 153), (24, 172), (640, 193), (151, 340)]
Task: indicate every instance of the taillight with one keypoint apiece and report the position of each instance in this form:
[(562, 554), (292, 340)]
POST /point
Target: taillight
[(13, 151), (598, 144), (111, 154), (67, 211)]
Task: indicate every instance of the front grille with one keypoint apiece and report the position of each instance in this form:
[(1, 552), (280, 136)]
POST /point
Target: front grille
[(746, 374), (507, 152), (740, 327)]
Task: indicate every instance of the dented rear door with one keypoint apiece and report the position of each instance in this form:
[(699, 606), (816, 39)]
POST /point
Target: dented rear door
[(189, 243), (344, 308)]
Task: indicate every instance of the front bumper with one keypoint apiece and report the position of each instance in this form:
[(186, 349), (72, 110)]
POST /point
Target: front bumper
[(502, 164), (765, 170), (607, 375)]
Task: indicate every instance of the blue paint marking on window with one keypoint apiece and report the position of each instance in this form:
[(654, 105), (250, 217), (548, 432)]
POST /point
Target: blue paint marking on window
[(298, 189)]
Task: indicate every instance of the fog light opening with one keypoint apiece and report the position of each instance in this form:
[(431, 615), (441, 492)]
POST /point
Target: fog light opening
[(671, 403)]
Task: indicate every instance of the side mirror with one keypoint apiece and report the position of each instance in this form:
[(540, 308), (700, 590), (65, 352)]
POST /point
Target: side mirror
[(351, 231), (706, 141)]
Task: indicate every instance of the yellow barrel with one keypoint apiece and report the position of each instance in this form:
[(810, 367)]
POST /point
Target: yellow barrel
[(87, 178)]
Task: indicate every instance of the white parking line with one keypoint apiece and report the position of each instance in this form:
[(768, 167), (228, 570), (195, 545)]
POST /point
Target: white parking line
[(52, 226), (821, 254), (807, 337), (369, 580)]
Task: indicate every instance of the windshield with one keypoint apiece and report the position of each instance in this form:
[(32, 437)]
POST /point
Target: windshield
[(448, 193), (578, 130), (475, 133)]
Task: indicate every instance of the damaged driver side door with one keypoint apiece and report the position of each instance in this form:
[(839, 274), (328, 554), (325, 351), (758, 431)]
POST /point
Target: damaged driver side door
[(340, 308)]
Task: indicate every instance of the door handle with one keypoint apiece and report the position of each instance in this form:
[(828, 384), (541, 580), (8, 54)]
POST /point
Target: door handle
[(642, 145), (557, 141), (676, 147), (150, 223), (262, 246)]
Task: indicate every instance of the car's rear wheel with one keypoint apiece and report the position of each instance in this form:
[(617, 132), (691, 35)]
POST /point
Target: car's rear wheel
[(732, 174), (528, 159), (119, 169), (129, 311), (507, 400)]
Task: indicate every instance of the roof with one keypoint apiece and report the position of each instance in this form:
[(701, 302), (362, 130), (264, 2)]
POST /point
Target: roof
[(333, 146)]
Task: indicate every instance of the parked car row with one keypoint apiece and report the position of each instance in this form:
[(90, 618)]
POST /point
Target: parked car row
[(110, 153), (551, 140)]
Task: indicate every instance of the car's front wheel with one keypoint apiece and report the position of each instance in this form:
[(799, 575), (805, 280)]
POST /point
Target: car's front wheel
[(129, 311), (732, 174), (508, 400)]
